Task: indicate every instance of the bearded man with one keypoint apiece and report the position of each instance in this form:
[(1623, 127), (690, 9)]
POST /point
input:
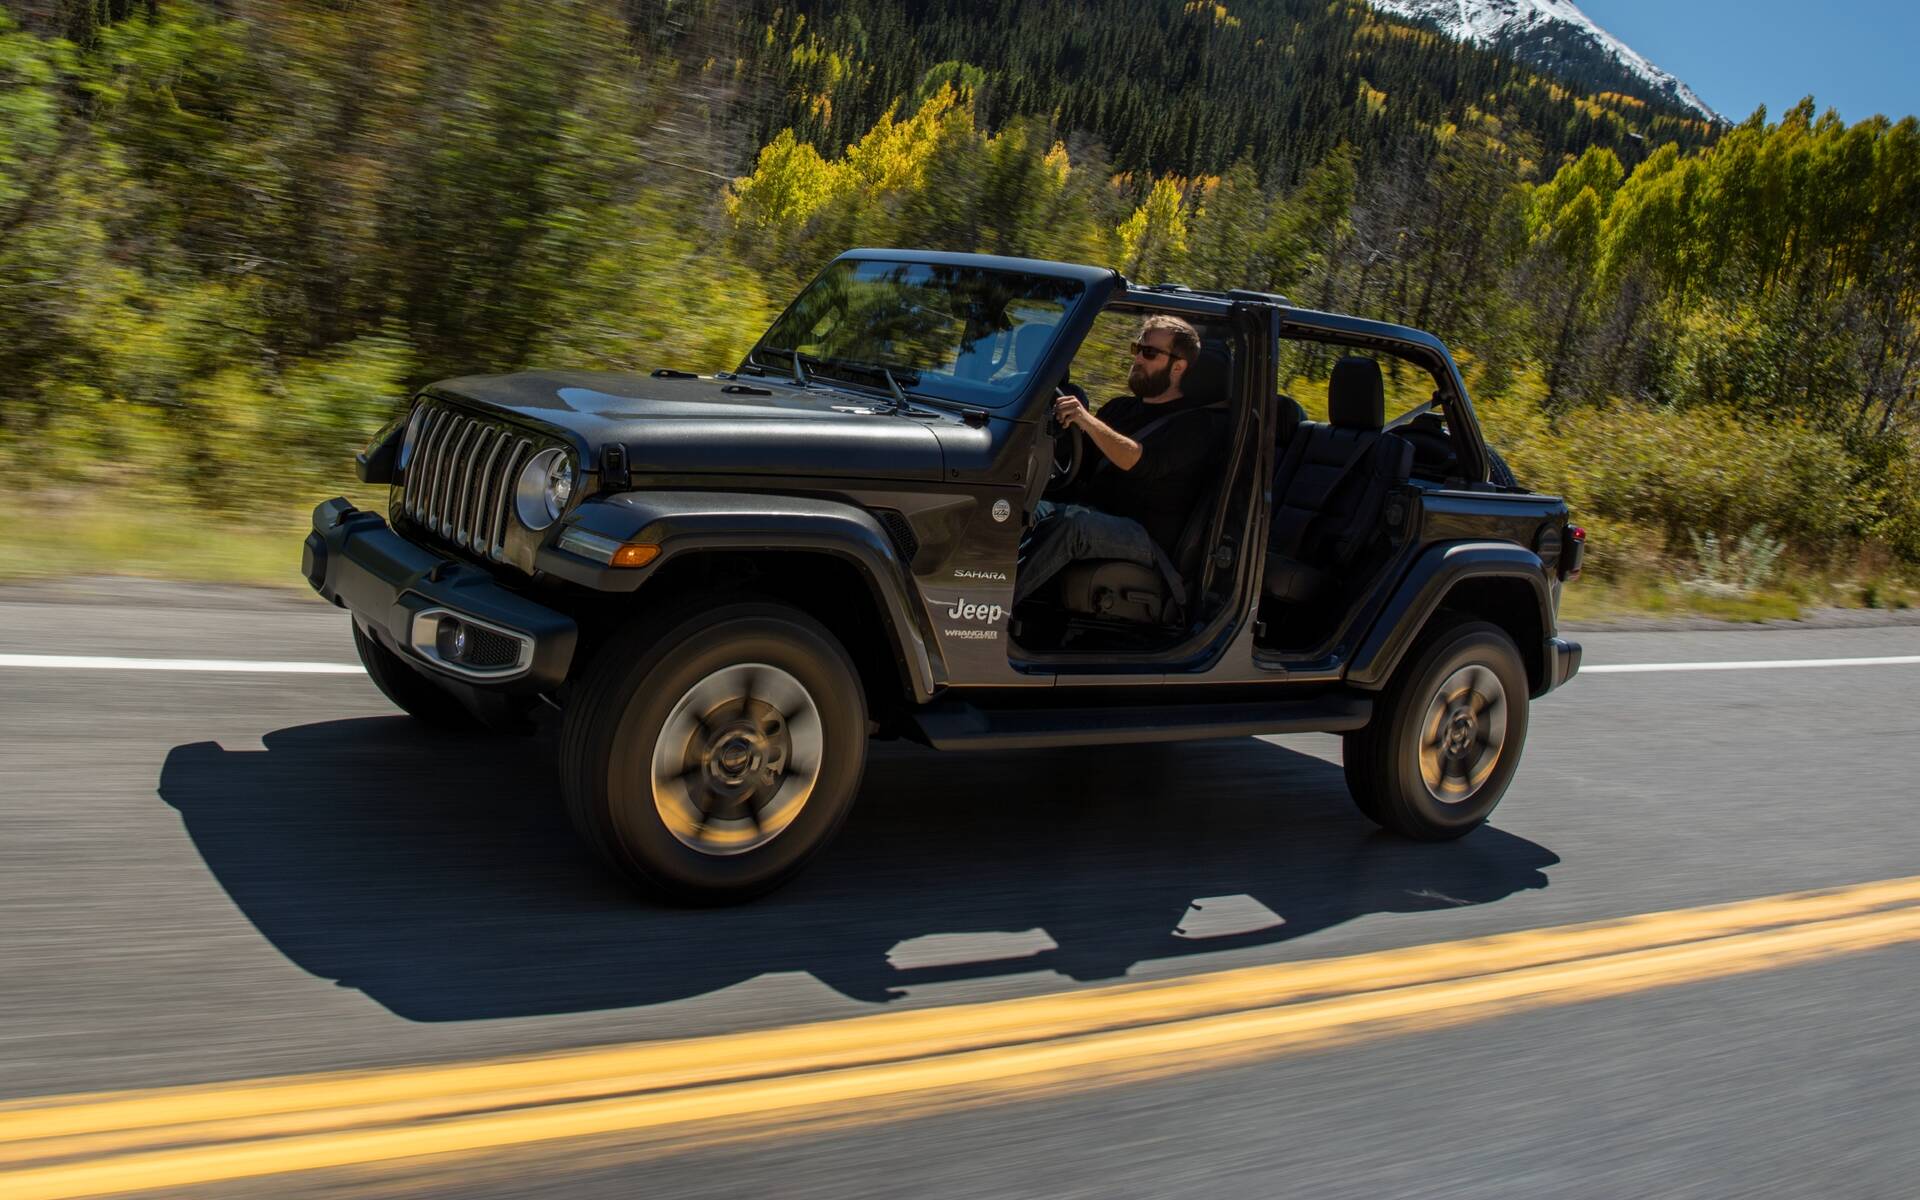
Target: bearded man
[(1159, 449)]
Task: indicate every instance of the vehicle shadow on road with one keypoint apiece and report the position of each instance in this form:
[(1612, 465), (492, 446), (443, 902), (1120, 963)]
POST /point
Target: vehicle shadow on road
[(438, 875)]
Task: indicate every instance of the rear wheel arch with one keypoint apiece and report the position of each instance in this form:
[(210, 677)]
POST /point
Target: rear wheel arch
[(1499, 582), (1513, 604)]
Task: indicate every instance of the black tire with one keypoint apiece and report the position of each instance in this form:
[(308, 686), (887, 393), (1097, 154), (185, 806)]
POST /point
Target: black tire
[(615, 734), (1461, 692), (414, 695)]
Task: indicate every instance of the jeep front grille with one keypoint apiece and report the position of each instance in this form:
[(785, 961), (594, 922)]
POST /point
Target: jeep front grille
[(459, 480)]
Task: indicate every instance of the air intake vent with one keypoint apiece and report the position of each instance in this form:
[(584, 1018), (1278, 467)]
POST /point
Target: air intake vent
[(900, 531)]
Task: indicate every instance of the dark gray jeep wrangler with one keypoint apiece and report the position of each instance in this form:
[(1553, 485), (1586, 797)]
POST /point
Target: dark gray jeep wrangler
[(729, 583)]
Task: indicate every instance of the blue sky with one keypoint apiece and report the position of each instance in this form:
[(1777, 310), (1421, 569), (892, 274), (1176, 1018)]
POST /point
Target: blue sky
[(1854, 55)]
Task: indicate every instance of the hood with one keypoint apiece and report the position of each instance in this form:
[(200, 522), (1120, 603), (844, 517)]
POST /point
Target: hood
[(703, 424)]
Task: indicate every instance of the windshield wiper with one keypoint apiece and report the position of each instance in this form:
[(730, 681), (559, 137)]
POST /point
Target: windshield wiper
[(899, 402), (893, 385), (799, 368)]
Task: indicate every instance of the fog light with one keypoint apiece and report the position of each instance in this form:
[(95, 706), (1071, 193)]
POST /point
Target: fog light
[(450, 639)]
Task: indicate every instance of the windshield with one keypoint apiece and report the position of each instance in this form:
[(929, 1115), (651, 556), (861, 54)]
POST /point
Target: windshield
[(957, 333)]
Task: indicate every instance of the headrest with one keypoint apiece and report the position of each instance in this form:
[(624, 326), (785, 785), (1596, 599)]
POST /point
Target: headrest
[(1029, 343), (1205, 379), (1356, 399)]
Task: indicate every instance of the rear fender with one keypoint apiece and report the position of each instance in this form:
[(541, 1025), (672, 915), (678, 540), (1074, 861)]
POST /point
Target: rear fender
[(1421, 594), (682, 523)]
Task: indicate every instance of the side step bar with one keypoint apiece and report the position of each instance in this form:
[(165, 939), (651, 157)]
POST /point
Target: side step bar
[(953, 725)]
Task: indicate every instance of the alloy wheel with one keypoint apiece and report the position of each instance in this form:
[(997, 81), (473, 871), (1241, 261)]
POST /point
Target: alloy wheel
[(737, 759), (1462, 734)]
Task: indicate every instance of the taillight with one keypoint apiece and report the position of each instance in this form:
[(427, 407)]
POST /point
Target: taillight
[(1576, 554)]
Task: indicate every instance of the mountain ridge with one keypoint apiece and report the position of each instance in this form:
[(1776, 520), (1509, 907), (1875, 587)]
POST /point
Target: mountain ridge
[(1551, 35)]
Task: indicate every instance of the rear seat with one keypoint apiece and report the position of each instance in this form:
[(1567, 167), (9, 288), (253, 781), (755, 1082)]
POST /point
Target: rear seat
[(1330, 485)]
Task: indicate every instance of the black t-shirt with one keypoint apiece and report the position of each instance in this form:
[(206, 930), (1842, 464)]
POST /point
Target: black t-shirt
[(1180, 457)]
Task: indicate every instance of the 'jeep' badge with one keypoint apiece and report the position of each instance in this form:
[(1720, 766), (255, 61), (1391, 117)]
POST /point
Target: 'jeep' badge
[(964, 609), (1002, 510)]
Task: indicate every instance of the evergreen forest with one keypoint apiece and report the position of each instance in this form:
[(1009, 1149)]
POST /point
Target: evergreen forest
[(235, 233)]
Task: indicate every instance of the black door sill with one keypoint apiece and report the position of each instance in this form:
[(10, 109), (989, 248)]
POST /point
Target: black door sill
[(955, 725)]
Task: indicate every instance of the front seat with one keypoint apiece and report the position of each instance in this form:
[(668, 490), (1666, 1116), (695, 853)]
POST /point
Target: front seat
[(1127, 591), (1331, 484)]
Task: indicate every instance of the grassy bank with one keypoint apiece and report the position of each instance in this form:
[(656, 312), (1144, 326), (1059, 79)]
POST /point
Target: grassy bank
[(54, 535), (49, 535), (1646, 595)]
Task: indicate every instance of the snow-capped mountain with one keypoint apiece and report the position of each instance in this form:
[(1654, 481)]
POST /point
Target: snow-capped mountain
[(1552, 35)]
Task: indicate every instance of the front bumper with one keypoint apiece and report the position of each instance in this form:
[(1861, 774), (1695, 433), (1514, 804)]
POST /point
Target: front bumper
[(398, 591), (1563, 661)]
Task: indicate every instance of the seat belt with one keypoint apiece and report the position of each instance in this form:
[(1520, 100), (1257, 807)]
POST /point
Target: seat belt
[(1154, 426)]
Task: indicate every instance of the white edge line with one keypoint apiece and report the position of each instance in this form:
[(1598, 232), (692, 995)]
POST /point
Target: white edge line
[(1754, 665), (90, 662)]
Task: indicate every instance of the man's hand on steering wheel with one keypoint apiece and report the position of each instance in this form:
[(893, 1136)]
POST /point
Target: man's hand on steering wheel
[(1069, 438)]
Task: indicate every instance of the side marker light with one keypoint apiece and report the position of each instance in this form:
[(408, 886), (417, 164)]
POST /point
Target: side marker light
[(601, 549)]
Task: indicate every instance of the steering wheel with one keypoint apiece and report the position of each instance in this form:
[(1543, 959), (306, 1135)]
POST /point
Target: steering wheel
[(1069, 451)]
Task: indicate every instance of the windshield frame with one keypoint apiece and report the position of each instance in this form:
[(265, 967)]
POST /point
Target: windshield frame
[(1093, 283)]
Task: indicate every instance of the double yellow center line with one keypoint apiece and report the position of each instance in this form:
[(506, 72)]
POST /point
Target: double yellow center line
[(881, 1067)]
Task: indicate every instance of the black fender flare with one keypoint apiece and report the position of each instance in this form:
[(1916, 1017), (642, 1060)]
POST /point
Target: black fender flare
[(1426, 584), (685, 522)]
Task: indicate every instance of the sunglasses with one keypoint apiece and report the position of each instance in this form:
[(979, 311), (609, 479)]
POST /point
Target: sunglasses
[(1153, 354)]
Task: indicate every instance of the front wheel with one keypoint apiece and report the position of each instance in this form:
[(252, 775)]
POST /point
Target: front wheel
[(1445, 738), (709, 756)]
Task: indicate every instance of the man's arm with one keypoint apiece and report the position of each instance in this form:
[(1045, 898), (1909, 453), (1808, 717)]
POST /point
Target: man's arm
[(1121, 450)]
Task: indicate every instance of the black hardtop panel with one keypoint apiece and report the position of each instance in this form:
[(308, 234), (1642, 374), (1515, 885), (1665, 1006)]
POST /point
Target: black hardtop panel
[(989, 262), (1361, 327)]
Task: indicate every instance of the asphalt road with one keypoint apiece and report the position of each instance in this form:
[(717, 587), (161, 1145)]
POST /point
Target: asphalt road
[(218, 876)]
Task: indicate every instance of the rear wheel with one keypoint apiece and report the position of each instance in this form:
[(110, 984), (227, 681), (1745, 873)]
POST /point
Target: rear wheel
[(708, 757), (1446, 735), (415, 695)]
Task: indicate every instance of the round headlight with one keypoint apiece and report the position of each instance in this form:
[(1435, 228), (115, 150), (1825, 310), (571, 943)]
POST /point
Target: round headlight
[(544, 487)]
